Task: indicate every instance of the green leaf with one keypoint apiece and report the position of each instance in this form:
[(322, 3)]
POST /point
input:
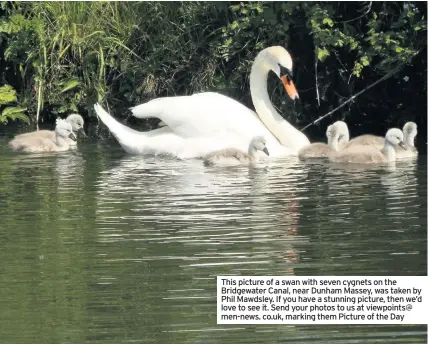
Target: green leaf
[(328, 21), (234, 25), (7, 95), (70, 85), (322, 54), (21, 116), (364, 61), (398, 49), (14, 113), (10, 110)]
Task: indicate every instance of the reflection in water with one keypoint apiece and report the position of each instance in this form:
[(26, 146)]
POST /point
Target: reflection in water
[(99, 247)]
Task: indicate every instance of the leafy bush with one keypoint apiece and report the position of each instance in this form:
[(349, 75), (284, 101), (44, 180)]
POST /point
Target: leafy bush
[(65, 56)]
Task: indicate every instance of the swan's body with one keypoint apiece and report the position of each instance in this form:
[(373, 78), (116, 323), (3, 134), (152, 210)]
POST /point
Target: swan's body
[(369, 154), (76, 122), (34, 144), (232, 156), (207, 116), (337, 136)]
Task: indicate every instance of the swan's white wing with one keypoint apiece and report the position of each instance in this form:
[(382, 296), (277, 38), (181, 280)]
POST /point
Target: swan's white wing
[(203, 114)]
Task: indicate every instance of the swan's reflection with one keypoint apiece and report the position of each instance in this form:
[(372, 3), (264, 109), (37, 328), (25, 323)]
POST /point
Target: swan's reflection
[(240, 213)]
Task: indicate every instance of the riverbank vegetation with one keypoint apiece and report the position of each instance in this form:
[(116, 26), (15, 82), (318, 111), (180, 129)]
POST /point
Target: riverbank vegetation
[(62, 57)]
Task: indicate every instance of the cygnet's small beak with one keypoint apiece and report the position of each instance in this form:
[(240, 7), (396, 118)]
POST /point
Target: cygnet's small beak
[(266, 151), (82, 131), (74, 136), (402, 145)]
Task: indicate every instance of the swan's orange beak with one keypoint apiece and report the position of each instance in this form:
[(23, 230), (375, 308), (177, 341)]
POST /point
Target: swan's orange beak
[(289, 87)]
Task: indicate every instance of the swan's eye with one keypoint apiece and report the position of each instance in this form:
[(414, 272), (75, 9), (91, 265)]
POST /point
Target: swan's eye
[(286, 72)]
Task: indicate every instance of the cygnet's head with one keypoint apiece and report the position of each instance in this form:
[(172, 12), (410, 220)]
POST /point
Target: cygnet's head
[(259, 143), (278, 60), (338, 131), (410, 130), (342, 131), (64, 128), (395, 137), (76, 122)]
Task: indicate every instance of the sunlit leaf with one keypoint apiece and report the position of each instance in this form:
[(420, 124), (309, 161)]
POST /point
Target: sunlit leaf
[(70, 85)]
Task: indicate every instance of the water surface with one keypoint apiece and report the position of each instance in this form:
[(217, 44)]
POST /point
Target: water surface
[(101, 247)]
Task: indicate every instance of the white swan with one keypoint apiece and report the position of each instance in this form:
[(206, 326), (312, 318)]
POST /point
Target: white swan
[(370, 154), (76, 122), (337, 136), (30, 144), (209, 116), (232, 156)]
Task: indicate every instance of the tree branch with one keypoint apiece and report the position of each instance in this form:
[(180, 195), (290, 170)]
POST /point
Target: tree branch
[(364, 14), (386, 76), (316, 77)]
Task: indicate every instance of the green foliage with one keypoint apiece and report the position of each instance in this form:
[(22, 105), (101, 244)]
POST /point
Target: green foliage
[(8, 96), (65, 56)]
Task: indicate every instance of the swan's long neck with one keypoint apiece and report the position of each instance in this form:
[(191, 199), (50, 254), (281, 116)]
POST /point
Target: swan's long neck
[(389, 151), (283, 131), (409, 140)]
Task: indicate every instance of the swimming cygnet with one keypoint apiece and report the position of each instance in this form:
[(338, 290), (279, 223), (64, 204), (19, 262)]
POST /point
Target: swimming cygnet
[(232, 156), (76, 122), (337, 137), (369, 154), (33, 144), (410, 130)]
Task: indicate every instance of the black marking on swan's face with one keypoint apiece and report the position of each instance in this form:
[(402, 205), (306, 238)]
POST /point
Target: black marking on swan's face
[(284, 71)]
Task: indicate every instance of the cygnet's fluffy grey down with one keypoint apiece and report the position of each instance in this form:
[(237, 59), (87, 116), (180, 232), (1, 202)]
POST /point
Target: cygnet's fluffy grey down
[(76, 122), (409, 130), (232, 156), (366, 139), (337, 136), (32, 144), (370, 154)]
